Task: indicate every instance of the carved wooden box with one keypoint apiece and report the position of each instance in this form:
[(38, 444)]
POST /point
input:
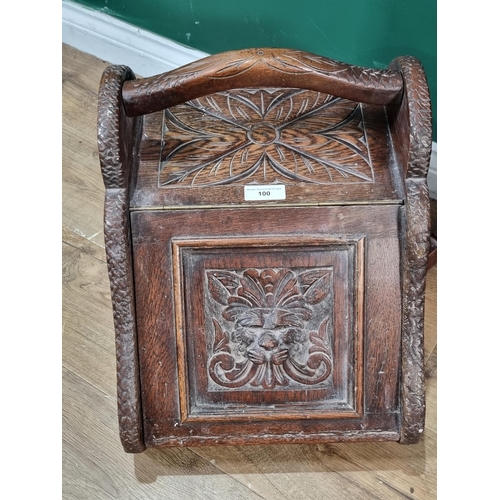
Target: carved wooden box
[(267, 231)]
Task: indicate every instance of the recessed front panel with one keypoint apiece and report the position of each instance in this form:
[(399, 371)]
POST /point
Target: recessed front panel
[(252, 324), (269, 328)]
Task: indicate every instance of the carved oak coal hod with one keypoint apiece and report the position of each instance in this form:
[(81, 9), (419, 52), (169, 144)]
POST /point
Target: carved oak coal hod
[(267, 231)]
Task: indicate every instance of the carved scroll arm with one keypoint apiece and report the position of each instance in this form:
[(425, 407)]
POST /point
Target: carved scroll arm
[(412, 119), (412, 136), (116, 133)]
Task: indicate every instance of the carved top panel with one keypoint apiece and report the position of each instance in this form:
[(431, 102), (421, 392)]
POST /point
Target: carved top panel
[(321, 148), (264, 136)]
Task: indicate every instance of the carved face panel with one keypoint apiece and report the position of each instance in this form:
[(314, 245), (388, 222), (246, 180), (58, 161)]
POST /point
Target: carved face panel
[(268, 334), (270, 341)]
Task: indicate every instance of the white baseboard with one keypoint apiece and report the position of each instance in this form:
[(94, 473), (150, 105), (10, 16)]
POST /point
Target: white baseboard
[(117, 42), (147, 54)]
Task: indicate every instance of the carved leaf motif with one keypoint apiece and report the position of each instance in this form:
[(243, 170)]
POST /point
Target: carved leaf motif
[(252, 288), (295, 368), (237, 307), (286, 290), (330, 146), (221, 285), (318, 285), (319, 339), (221, 342)]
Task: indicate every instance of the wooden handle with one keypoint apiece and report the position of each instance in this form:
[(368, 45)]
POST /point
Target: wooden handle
[(261, 68)]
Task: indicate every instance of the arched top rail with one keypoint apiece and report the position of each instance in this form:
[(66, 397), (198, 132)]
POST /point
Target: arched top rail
[(261, 68)]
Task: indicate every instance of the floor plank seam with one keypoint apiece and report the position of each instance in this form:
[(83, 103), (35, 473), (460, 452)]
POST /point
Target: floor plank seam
[(86, 381), (403, 495), (89, 254), (111, 352), (81, 86)]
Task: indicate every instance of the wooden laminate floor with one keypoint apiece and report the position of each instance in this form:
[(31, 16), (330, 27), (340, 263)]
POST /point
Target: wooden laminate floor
[(94, 464)]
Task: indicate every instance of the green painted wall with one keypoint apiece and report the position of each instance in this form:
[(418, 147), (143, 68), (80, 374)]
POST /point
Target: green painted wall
[(363, 32)]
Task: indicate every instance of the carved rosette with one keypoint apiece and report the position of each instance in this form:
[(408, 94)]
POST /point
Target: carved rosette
[(264, 136), (271, 328)]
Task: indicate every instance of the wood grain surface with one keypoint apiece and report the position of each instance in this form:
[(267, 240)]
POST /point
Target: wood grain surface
[(94, 463), (346, 159), (298, 228), (261, 68)]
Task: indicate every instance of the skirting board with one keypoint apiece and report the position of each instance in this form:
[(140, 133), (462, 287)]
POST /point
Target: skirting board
[(147, 54), (117, 42)]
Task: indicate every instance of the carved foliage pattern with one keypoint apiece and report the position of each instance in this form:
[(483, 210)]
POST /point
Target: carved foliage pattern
[(271, 327), (265, 135)]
